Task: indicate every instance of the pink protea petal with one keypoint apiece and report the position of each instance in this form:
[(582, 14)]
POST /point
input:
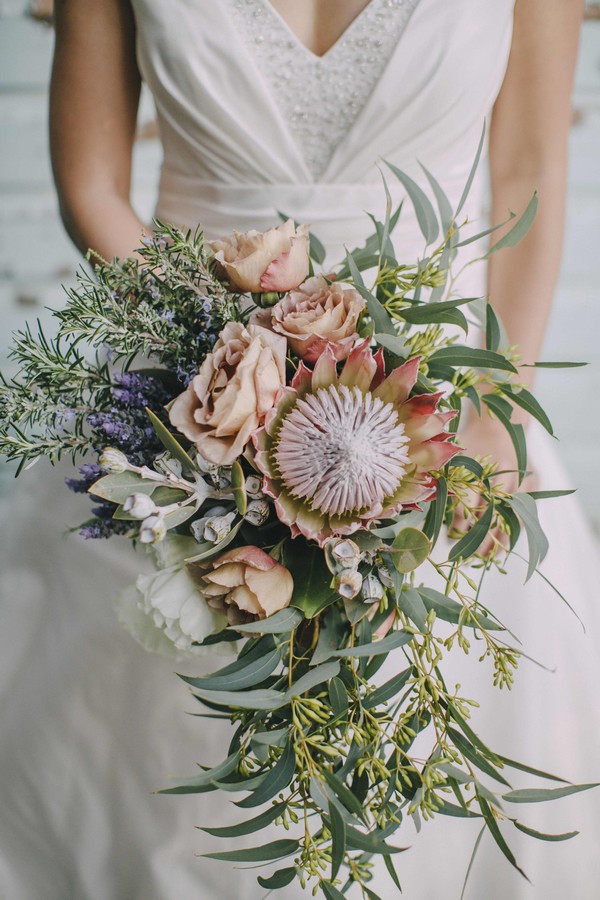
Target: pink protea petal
[(426, 427), (433, 454), (399, 383), (421, 405), (302, 378), (360, 368), (325, 372), (316, 345), (379, 376)]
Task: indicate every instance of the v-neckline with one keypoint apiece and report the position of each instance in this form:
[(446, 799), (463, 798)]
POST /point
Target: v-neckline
[(316, 57)]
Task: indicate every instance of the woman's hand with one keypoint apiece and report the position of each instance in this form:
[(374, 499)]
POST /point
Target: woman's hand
[(488, 437)]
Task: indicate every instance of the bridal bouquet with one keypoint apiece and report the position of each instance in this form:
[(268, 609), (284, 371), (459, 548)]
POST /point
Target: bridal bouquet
[(282, 442)]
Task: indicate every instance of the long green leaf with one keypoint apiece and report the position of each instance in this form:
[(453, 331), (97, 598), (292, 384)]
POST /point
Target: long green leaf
[(338, 839), (254, 673), (513, 764), (170, 442), (312, 678), (424, 211), (528, 402), (280, 623), (260, 699), (411, 604), (519, 229), (278, 879), (471, 861), (503, 411), (537, 541), (117, 488), (266, 853), (331, 892), (443, 203), (468, 750), (542, 795), (276, 780), (472, 540), (249, 826), (345, 795), (388, 690), (192, 784), (390, 642), (472, 172), (370, 842), (473, 357), (492, 824), (436, 512), (542, 836)]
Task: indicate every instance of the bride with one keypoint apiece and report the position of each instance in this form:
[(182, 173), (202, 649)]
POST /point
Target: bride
[(268, 105)]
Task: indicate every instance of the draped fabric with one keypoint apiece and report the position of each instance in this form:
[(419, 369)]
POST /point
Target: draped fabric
[(91, 723)]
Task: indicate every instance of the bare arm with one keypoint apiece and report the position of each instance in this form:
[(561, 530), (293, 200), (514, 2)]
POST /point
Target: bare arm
[(93, 106), (528, 151)]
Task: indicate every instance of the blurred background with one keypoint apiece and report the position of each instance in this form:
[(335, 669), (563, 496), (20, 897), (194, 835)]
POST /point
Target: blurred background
[(36, 257)]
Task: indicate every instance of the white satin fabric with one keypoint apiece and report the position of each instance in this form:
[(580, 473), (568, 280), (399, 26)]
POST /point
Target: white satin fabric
[(91, 723)]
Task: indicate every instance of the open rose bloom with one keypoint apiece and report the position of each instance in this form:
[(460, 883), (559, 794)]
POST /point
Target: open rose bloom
[(274, 261)]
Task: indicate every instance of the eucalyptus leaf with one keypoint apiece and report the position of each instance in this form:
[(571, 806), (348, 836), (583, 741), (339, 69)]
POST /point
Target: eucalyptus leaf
[(380, 316), (275, 780), (254, 673), (411, 547), (117, 488), (338, 839), (542, 795), (387, 690), (344, 794), (278, 879), (370, 842), (312, 678), (492, 328), (475, 536), (424, 211), (312, 579), (266, 853), (519, 229), (412, 606), (474, 756), (436, 512), (279, 623), (331, 892), (238, 488), (541, 836), (259, 699), (170, 442), (192, 784), (525, 508), (471, 357), (494, 829), (528, 402), (389, 642), (444, 206), (472, 172), (249, 826)]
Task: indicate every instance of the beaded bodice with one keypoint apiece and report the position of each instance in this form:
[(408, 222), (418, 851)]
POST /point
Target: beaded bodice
[(320, 97)]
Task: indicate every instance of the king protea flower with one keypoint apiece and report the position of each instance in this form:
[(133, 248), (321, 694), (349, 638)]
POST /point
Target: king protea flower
[(339, 451)]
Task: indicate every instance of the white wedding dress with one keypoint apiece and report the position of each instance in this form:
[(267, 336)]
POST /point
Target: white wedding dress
[(253, 123)]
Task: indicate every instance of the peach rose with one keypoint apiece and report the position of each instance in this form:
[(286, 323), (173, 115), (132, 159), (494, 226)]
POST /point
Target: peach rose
[(276, 260), (234, 389), (246, 584), (317, 314)]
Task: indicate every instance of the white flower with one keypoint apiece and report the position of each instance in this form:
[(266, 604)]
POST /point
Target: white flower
[(113, 461), (140, 506), (166, 613), (153, 529)]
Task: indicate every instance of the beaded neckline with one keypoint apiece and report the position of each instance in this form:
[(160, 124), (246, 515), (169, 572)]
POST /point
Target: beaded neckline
[(320, 97)]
